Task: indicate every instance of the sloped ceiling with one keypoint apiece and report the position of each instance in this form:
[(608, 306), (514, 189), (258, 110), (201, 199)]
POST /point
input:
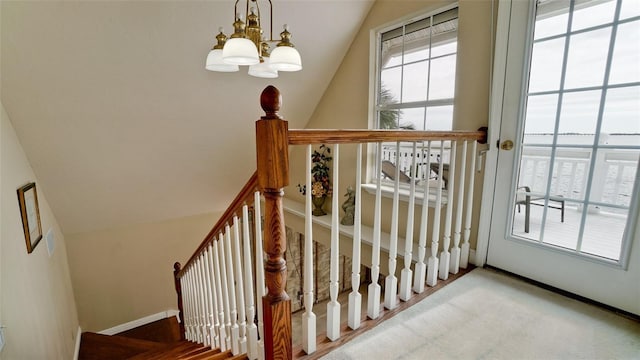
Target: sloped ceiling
[(120, 120)]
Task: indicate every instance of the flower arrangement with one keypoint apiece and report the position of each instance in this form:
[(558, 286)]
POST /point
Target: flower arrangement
[(320, 184)]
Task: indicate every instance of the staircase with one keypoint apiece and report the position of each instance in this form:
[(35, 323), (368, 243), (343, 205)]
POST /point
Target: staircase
[(155, 341)]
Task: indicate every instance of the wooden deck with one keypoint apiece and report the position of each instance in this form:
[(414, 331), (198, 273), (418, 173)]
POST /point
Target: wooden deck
[(602, 234)]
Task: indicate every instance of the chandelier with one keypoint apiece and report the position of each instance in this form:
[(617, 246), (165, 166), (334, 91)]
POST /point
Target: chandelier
[(247, 46)]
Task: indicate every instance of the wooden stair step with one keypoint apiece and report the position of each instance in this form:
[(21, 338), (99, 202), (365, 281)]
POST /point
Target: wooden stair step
[(164, 330), (169, 351), (95, 346), (208, 355)]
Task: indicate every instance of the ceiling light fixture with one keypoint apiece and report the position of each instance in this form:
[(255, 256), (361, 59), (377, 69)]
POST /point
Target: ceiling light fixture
[(246, 46)]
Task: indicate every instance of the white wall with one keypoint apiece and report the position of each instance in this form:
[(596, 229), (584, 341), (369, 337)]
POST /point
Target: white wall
[(120, 275), (36, 297)]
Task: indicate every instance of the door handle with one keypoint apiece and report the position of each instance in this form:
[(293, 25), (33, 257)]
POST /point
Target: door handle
[(506, 145)]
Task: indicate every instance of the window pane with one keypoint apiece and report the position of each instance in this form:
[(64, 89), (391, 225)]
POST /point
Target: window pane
[(570, 171), (541, 117), (414, 85), (532, 185), (587, 58), (443, 78), (546, 65), (579, 113), (614, 176), (390, 86), (412, 119), (548, 21), (603, 232), (444, 49), (534, 168), (622, 111), (625, 67), (630, 8), (440, 117), (587, 15), (391, 60), (418, 55), (388, 119)]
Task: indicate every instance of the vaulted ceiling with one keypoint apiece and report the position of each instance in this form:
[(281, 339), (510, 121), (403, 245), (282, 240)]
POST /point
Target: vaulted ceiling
[(120, 120)]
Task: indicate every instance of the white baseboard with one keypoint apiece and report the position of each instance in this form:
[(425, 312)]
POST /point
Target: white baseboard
[(76, 351), (139, 322)]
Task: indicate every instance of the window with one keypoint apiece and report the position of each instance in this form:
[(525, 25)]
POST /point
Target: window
[(416, 73), (414, 88)]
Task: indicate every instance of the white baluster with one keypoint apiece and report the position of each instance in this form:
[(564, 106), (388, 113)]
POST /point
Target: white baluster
[(184, 305), (407, 274), (391, 281), (464, 250), (421, 267), (206, 284), (204, 307), (194, 309), (202, 337), (333, 307), (231, 280), (186, 301), (308, 317), (355, 298), (454, 265), (260, 286), (252, 330), (225, 292), (433, 263), (445, 256), (222, 333), (373, 303), (242, 339), (213, 307)]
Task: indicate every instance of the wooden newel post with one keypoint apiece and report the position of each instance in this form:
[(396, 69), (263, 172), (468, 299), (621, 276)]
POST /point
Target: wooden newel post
[(176, 281), (272, 148)]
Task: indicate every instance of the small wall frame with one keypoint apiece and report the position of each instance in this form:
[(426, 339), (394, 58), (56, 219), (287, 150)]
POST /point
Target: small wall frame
[(28, 200)]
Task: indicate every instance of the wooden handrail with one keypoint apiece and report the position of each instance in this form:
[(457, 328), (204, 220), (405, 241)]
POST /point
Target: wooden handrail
[(305, 137), (245, 196)]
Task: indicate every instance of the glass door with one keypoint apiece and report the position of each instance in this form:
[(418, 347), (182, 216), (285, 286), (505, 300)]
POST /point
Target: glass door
[(572, 80)]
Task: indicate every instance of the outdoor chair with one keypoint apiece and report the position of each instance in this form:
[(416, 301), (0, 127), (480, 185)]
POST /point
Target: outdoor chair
[(523, 197), (389, 171)]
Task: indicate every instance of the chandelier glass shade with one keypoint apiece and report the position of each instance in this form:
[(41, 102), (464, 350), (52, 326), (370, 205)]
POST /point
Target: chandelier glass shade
[(247, 46)]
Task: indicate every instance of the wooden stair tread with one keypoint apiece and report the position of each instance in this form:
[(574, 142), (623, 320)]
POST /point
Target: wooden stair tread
[(209, 354), (164, 330), (95, 346), (169, 351)]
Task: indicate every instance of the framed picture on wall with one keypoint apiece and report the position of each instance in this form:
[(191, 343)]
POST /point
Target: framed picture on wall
[(28, 199)]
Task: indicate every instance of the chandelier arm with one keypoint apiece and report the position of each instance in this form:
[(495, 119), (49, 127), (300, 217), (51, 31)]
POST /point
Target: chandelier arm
[(235, 11), (271, 20)]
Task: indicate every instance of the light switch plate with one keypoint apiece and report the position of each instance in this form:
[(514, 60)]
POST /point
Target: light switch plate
[(51, 242)]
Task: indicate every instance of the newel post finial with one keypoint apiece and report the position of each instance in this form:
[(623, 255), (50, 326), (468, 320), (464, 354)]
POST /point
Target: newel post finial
[(270, 101)]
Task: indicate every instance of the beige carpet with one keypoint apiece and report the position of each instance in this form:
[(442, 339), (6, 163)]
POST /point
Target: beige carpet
[(490, 315)]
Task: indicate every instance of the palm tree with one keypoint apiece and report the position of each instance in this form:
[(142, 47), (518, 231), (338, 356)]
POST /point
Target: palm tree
[(389, 118)]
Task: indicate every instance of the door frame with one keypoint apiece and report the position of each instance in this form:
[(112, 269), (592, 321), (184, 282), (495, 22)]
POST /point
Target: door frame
[(496, 97)]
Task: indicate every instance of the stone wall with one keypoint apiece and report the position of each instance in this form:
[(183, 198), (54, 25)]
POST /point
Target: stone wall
[(321, 270)]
